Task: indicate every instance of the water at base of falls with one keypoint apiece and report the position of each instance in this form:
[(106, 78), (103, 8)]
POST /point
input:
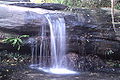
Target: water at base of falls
[(58, 71), (61, 71), (53, 55)]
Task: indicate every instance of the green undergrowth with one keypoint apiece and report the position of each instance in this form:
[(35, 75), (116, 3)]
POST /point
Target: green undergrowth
[(82, 3), (16, 41)]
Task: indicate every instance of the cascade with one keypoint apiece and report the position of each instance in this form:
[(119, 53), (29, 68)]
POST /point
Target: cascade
[(53, 55)]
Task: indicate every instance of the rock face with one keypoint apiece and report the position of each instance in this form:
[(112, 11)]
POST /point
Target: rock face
[(84, 63), (23, 20), (95, 34), (90, 30), (49, 6)]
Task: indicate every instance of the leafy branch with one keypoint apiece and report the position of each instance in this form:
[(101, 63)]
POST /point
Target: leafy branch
[(15, 41)]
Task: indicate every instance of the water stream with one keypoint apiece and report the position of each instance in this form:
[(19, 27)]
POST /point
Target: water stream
[(56, 55)]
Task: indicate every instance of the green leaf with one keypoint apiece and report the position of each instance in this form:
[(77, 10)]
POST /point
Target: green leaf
[(11, 40), (6, 40), (14, 42), (23, 36), (18, 47), (19, 40)]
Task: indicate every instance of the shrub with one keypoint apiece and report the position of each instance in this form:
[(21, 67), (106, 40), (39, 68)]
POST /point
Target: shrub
[(15, 41)]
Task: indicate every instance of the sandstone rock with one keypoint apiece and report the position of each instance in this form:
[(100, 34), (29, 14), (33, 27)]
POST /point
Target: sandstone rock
[(49, 6)]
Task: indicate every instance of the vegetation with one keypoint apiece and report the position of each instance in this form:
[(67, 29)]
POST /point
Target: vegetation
[(117, 6), (81, 3), (47, 1), (15, 41)]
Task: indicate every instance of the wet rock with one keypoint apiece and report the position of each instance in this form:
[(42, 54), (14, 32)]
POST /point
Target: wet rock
[(94, 34), (95, 22), (84, 63), (105, 48)]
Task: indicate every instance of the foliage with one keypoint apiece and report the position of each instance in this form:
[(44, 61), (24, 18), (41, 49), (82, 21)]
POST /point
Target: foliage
[(66, 2), (47, 1), (54, 1), (37, 1), (59, 1), (81, 3), (108, 52), (73, 3), (15, 41), (117, 6), (113, 63)]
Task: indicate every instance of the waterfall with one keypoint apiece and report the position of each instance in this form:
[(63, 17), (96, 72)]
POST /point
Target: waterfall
[(58, 41), (52, 51)]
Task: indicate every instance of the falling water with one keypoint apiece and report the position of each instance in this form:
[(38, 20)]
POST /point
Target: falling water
[(55, 54), (58, 42)]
